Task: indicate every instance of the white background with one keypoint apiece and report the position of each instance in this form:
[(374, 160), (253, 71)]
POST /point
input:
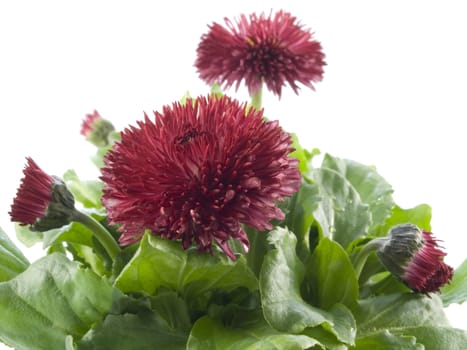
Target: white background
[(393, 94)]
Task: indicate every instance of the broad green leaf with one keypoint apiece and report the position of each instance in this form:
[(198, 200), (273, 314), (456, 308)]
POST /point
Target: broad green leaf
[(283, 306), (165, 324), (399, 311), (163, 263), (456, 290), (53, 298), (332, 276), (209, 334), (385, 340), (419, 215), (87, 193), (437, 338), (341, 214), (12, 261), (372, 188)]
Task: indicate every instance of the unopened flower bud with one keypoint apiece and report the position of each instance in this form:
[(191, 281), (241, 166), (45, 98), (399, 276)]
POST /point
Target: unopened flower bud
[(42, 201), (96, 129), (414, 257)]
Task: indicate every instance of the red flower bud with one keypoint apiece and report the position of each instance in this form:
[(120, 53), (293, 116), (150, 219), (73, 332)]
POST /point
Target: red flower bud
[(414, 257)]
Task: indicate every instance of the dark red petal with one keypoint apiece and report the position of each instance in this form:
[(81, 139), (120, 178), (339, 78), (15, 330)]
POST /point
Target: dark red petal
[(33, 195), (427, 272)]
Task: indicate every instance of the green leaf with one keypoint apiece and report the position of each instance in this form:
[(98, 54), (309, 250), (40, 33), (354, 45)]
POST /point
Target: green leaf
[(385, 340), (372, 188), (456, 290), (419, 215), (87, 193), (399, 311), (299, 215), (437, 338), (185, 96), (12, 261), (332, 276), (341, 214), (165, 324), (81, 243), (26, 236), (408, 315), (88, 257), (257, 249), (163, 263), (215, 90), (209, 334), (73, 233), (327, 339), (283, 306), (52, 299), (304, 157)]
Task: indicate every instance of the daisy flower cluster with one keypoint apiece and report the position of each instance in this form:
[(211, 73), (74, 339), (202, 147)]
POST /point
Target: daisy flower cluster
[(216, 212)]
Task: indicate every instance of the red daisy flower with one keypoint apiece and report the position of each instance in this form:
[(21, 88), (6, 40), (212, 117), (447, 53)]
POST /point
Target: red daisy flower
[(414, 257), (197, 172), (41, 201), (96, 129), (276, 50)]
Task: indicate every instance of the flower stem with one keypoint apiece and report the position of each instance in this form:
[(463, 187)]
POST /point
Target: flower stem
[(99, 231), (361, 257), (257, 99)]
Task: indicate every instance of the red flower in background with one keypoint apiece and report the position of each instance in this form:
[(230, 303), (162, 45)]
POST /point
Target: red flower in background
[(96, 129), (414, 257), (88, 122), (276, 50), (42, 201), (197, 172)]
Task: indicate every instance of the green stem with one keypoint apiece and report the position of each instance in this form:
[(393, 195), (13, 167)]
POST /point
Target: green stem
[(99, 231), (361, 257), (257, 99)]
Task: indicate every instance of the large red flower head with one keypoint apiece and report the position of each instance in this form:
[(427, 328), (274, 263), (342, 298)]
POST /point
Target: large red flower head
[(414, 257), (197, 172), (274, 49)]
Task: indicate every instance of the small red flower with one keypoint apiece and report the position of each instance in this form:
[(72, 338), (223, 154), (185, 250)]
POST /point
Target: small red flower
[(197, 172), (96, 129), (415, 258), (276, 50), (41, 201)]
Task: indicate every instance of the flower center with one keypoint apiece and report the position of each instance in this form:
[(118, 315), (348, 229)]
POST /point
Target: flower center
[(188, 136), (266, 58)]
